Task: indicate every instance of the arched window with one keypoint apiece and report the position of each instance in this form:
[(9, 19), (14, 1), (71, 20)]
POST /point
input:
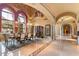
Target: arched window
[(7, 20), (21, 23)]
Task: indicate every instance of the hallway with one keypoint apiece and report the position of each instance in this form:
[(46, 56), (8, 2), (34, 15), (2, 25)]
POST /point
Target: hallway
[(41, 29), (61, 48)]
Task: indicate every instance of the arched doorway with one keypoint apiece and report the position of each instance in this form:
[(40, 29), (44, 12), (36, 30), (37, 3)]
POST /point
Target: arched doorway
[(66, 26)]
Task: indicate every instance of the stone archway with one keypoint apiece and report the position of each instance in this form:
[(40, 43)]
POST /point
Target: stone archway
[(66, 24)]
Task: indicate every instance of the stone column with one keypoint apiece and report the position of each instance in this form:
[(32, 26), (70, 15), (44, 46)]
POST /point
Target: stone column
[(77, 30), (78, 33), (53, 28), (60, 31)]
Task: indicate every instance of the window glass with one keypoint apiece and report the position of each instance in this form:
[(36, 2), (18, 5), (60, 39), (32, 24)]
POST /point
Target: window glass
[(7, 20), (21, 23)]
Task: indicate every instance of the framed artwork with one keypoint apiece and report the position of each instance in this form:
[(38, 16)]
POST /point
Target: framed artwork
[(48, 30)]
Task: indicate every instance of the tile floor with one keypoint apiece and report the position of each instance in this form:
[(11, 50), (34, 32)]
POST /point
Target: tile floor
[(61, 48), (25, 50)]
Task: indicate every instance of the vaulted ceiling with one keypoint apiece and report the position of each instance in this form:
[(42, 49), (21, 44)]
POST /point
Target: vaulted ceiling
[(54, 8), (49, 9), (59, 8), (29, 10)]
